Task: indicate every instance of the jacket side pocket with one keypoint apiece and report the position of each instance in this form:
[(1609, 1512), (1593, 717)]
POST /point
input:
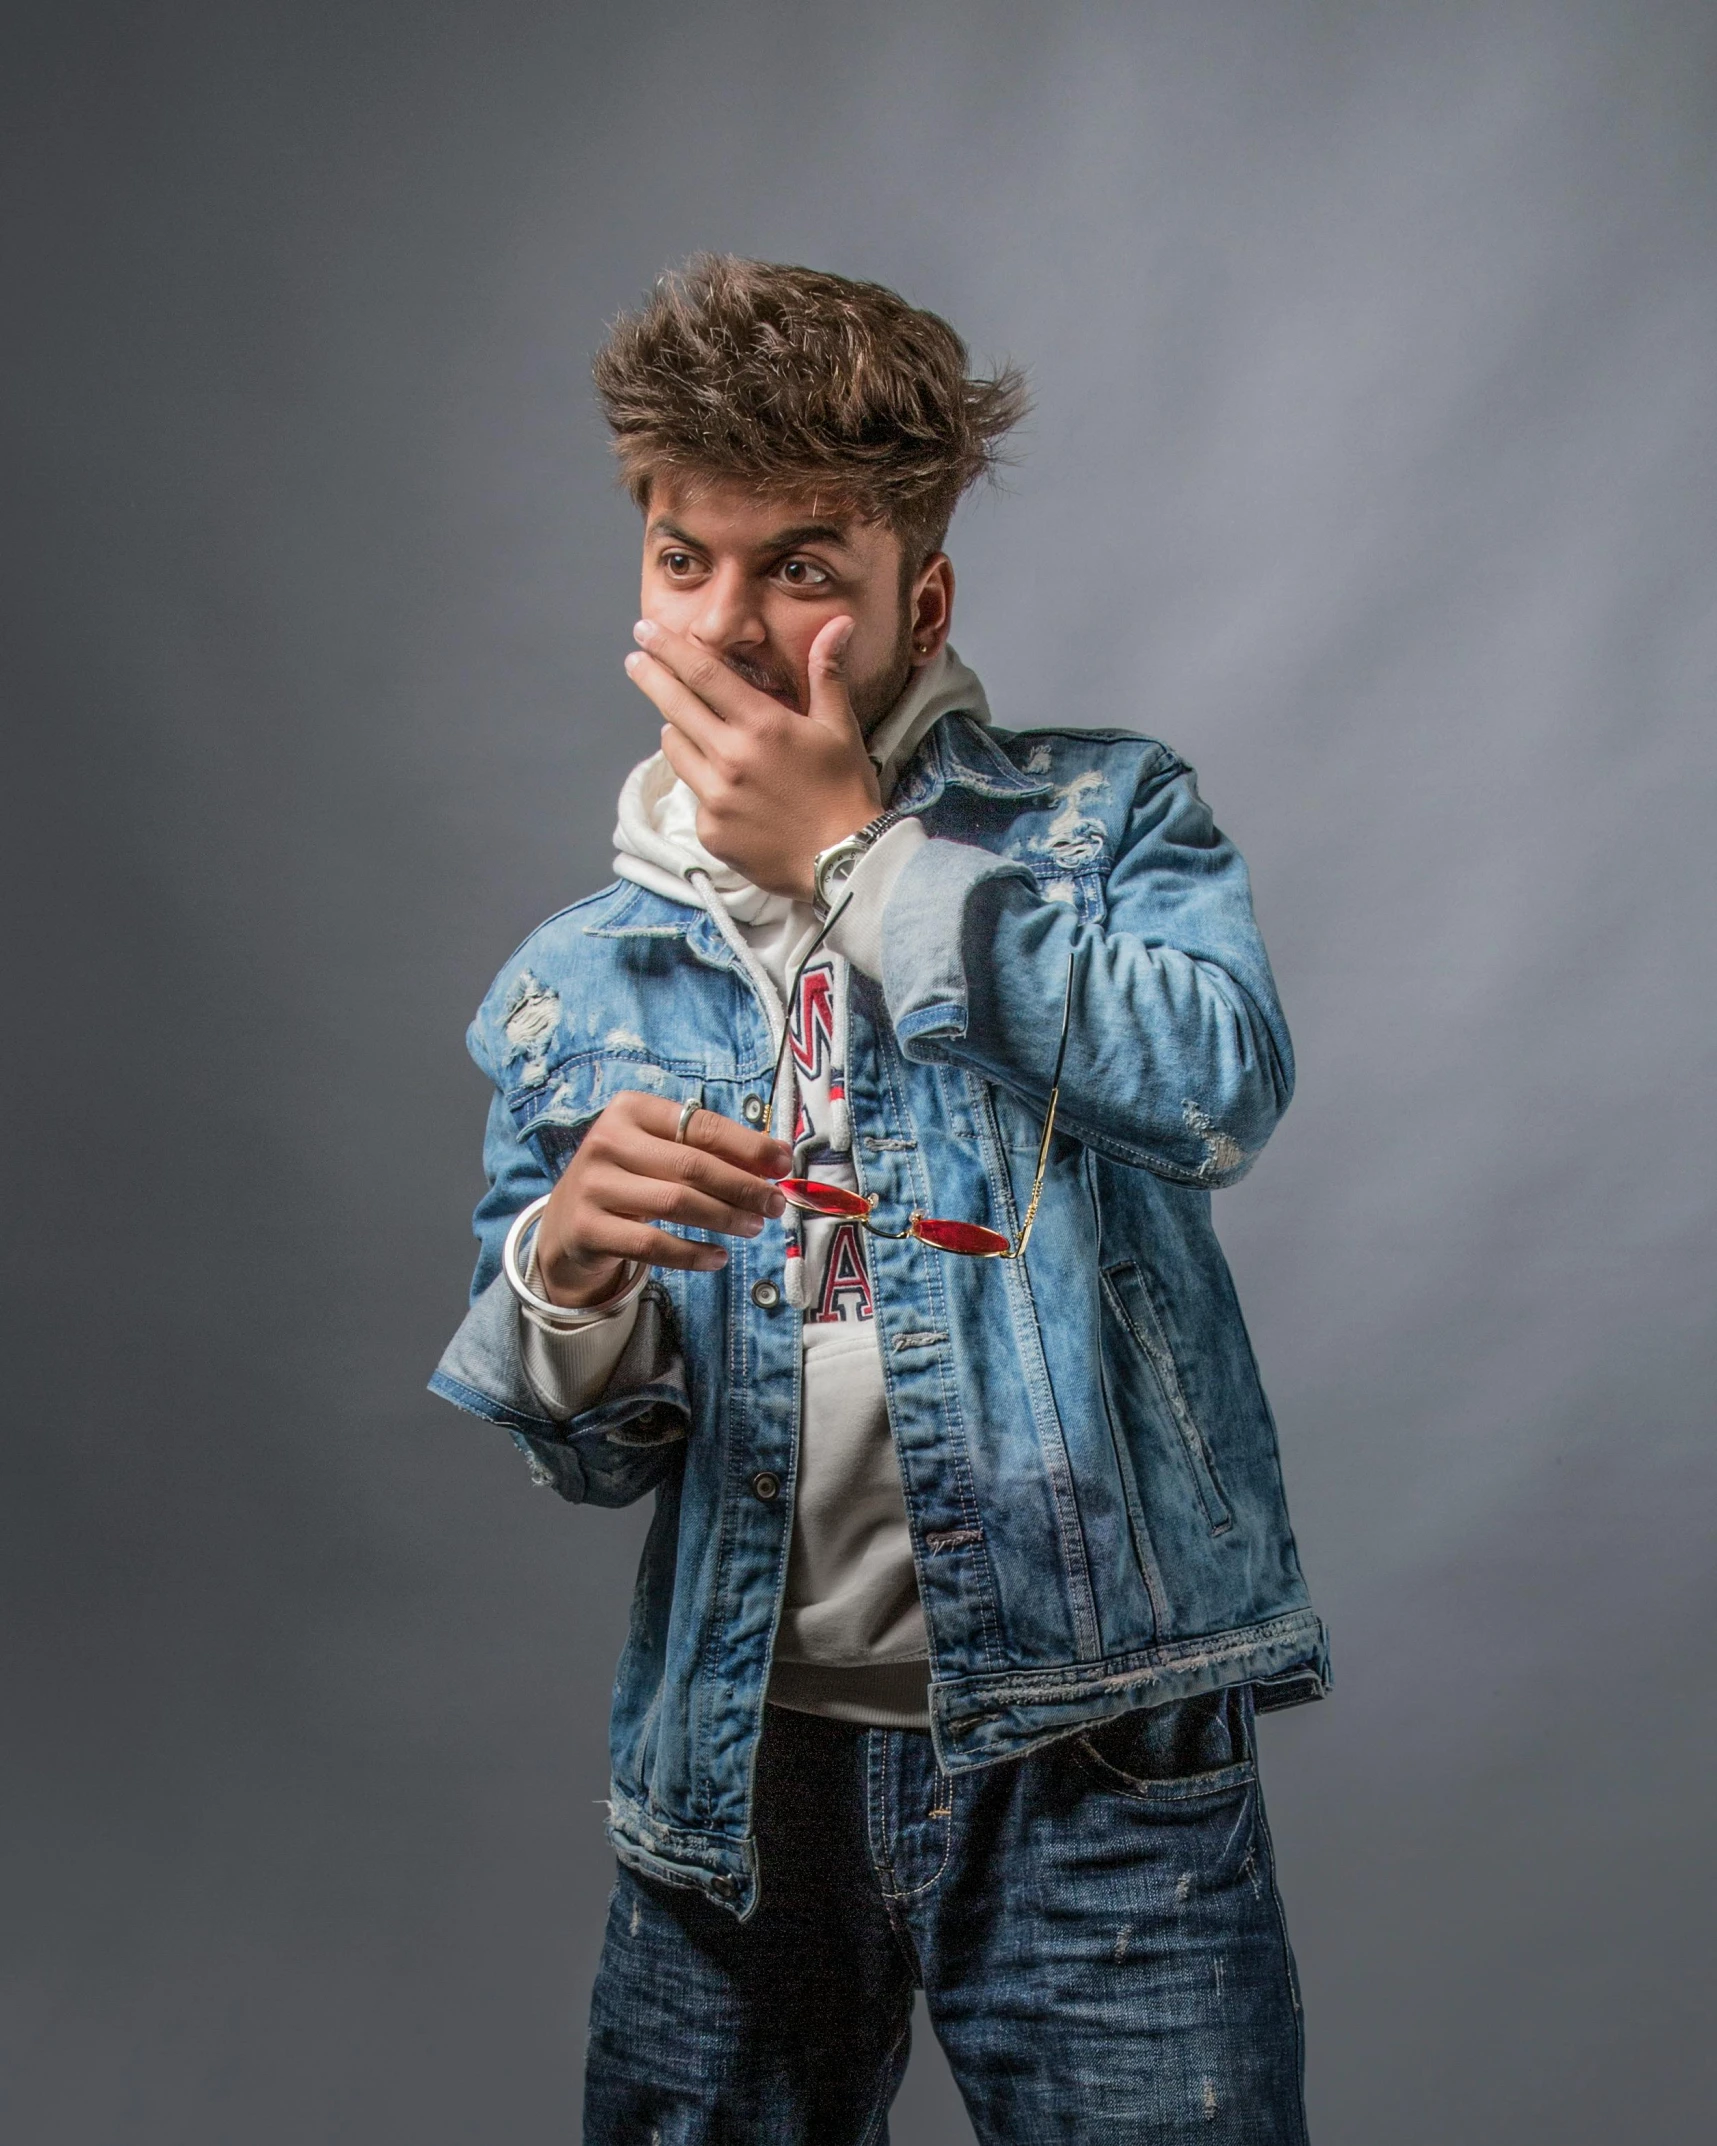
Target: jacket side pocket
[(1130, 1300)]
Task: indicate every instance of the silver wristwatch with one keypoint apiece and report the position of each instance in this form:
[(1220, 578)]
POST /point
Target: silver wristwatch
[(831, 867)]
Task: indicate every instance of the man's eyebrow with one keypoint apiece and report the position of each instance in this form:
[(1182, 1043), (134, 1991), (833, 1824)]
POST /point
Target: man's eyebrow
[(777, 540), (807, 533)]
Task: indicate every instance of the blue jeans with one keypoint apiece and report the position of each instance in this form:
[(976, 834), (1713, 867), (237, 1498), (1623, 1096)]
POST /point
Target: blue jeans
[(1096, 1929)]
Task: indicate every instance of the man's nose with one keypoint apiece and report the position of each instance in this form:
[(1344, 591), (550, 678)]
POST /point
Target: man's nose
[(728, 617)]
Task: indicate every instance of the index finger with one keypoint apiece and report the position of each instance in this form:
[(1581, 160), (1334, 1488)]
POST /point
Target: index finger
[(709, 1131), (675, 701), (720, 688)]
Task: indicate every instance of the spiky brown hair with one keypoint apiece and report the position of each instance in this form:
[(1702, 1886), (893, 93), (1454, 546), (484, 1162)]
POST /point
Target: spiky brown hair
[(794, 380)]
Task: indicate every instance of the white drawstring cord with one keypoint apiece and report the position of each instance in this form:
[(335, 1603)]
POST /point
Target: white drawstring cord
[(784, 1102)]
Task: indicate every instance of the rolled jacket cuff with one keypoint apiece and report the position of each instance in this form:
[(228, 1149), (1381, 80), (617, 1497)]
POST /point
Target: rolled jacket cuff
[(925, 934)]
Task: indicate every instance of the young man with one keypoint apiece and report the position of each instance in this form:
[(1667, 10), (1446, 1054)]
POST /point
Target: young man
[(849, 1166)]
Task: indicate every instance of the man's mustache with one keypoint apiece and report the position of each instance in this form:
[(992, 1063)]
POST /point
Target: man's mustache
[(763, 677)]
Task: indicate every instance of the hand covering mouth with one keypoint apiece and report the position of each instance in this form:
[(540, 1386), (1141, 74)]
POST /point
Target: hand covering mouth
[(655, 837)]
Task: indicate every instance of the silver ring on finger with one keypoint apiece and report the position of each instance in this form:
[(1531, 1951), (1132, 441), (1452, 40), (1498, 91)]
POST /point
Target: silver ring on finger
[(686, 1109)]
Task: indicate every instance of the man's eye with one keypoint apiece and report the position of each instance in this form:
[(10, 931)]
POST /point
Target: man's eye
[(678, 562), (802, 574)]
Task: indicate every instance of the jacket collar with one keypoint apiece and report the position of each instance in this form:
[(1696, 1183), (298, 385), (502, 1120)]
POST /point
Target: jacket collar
[(962, 755), (643, 913)]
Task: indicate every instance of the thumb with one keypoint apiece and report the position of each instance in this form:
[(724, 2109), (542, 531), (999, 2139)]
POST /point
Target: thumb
[(828, 667)]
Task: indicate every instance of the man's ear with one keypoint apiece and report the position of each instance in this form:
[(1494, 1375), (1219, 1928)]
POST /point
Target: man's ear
[(930, 607)]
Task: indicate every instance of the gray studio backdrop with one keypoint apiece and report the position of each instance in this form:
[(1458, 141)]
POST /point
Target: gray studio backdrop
[(1373, 466)]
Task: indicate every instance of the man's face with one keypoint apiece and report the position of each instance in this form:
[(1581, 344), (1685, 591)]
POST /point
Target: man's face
[(754, 576)]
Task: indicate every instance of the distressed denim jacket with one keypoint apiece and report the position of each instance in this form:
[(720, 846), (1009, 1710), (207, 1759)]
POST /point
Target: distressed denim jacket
[(1089, 1462)]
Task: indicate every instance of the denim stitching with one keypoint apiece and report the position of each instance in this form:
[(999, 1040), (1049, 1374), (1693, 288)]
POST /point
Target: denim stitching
[(1028, 1333), (878, 2123), (1178, 1788), (1262, 1829), (979, 1594)]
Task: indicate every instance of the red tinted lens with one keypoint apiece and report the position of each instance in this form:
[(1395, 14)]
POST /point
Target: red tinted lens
[(968, 1237), (816, 1198)]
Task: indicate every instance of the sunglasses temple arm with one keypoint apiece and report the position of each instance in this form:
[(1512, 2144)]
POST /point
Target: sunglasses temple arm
[(1037, 1181), (1049, 1119)]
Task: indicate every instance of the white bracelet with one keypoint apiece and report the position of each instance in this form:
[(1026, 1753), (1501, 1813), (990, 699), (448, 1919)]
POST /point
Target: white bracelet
[(569, 1318)]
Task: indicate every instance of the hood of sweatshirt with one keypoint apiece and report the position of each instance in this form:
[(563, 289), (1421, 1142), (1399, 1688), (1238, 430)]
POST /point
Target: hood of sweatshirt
[(656, 839)]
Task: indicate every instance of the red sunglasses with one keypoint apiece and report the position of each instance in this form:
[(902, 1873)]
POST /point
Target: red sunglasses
[(970, 1240)]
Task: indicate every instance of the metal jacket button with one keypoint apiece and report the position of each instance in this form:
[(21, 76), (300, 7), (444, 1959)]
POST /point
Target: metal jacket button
[(765, 1484), (751, 1110), (765, 1295)]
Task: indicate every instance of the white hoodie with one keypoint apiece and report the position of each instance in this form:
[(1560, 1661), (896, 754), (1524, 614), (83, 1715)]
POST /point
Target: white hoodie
[(851, 1642)]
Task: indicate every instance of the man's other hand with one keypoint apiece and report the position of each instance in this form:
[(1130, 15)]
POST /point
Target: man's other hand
[(773, 786), (630, 1173)]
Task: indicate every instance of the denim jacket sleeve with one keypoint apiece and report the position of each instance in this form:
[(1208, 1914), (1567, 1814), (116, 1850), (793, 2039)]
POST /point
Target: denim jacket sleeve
[(1178, 1058), (633, 1434)]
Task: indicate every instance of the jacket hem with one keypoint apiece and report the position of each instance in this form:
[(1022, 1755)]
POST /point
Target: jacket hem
[(979, 1721), (993, 1719), (723, 1869)]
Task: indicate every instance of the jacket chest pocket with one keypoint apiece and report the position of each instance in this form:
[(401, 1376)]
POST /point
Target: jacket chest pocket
[(555, 1116), (1081, 886), (1019, 1125)]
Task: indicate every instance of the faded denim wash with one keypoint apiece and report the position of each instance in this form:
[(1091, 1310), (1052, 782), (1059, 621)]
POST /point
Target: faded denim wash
[(1089, 1462), (1096, 1929)]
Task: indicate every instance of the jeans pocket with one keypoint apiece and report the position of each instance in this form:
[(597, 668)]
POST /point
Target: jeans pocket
[(1202, 1746)]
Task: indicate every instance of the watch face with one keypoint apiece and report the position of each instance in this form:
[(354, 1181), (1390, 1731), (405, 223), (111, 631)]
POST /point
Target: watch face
[(834, 864)]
